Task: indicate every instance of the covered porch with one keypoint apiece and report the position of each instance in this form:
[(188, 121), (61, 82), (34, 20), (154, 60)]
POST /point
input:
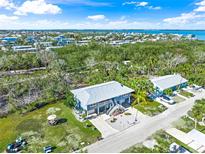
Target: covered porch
[(105, 106)]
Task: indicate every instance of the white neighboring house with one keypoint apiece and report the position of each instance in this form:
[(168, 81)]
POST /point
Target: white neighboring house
[(25, 48), (101, 97), (43, 44), (53, 47)]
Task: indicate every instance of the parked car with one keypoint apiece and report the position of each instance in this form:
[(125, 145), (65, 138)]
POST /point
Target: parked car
[(47, 149), (167, 99), (197, 88), (175, 148), (100, 138), (16, 146)]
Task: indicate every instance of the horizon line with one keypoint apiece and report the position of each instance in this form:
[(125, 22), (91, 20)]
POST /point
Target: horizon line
[(99, 29)]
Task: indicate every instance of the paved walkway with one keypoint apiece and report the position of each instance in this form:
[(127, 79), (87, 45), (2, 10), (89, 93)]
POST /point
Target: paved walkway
[(105, 129), (138, 133), (181, 136)]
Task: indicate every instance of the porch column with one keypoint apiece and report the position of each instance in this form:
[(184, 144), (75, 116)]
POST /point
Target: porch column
[(98, 110), (129, 100)]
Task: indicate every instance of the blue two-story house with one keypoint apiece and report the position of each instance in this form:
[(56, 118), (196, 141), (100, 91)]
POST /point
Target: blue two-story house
[(100, 98)]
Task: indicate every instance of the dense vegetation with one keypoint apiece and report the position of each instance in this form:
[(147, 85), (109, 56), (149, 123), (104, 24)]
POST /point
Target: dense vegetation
[(17, 61), (198, 111), (149, 58), (76, 66)]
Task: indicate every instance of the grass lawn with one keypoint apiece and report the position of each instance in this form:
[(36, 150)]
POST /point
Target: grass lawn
[(163, 140), (150, 108), (185, 124), (138, 148), (178, 99), (33, 126), (186, 94)]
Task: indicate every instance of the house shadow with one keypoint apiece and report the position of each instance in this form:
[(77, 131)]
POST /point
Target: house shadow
[(53, 148), (62, 120)]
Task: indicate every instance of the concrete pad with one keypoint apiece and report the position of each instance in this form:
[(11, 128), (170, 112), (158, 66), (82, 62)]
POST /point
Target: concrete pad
[(195, 145), (181, 136), (197, 136), (201, 150), (125, 121), (179, 98), (150, 143), (105, 129), (105, 117), (182, 96)]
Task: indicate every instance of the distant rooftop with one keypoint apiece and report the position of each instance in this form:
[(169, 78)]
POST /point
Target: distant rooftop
[(101, 92), (168, 81)]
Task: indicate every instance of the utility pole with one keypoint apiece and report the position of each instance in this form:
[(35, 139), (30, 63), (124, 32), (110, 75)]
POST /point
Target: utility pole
[(195, 123), (136, 117)]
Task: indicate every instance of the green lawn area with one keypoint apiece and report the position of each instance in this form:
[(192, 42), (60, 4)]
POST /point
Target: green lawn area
[(138, 148), (163, 140), (33, 126), (186, 94), (185, 124), (150, 108)]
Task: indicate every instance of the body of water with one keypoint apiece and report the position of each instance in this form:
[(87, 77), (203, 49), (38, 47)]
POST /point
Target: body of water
[(200, 34)]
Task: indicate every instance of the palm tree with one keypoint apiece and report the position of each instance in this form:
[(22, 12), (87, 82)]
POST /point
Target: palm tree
[(139, 97)]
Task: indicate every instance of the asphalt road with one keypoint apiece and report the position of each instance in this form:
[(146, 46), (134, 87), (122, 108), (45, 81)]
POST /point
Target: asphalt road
[(138, 133)]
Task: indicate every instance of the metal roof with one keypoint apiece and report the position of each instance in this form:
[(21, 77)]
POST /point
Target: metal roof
[(168, 81), (100, 92), (197, 136)]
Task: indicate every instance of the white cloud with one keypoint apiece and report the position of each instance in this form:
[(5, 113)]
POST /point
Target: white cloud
[(12, 22), (200, 9), (38, 24), (46, 24), (17, 23), (6, 21), (80, 2), (201, 6), (116, 24), (155, 8), (96, 17), (7, 4), (37, 7), (194, 16), (5, 18), (136, 3), (201, 3), (183, 18), (142, 4)]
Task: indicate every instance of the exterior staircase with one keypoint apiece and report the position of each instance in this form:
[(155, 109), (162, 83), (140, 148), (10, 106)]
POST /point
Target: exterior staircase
[(114, 108), (113, 105)]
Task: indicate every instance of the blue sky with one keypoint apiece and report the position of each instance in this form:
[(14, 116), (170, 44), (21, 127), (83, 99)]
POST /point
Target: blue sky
[(102, 14)]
